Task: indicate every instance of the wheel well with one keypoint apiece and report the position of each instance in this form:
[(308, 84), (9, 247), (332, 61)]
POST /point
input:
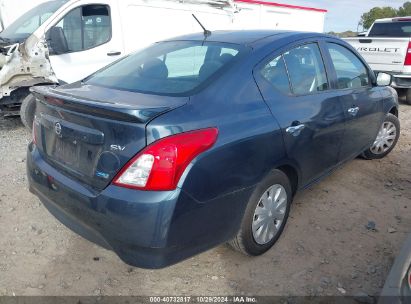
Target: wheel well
[(292, 176), (394, 111)]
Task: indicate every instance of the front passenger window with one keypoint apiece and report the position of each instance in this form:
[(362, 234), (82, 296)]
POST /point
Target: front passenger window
[(351, 72)]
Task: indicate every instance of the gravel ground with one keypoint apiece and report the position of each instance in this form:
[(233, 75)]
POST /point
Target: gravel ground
[(326, 248)]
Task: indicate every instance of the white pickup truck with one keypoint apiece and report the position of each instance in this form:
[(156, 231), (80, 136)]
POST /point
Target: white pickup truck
[(387, 48)]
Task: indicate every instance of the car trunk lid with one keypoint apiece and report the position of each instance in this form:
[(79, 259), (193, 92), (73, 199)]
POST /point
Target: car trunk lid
[(89, 133)]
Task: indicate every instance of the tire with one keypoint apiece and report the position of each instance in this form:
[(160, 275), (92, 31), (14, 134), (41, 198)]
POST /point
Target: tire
[(27, 109), (380, 149), (408, 96), (246, 240)]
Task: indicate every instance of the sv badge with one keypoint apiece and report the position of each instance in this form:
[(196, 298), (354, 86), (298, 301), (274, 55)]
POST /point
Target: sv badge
[(117, 148)]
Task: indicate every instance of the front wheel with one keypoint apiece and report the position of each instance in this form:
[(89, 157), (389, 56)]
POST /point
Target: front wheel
[(265, 216), (386, 139)]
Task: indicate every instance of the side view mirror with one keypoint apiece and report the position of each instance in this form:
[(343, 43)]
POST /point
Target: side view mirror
[(57, 41), (384, 79)]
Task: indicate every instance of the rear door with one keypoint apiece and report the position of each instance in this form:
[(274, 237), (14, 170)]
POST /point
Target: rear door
[(93, 35), (295, 85), (362, 102)]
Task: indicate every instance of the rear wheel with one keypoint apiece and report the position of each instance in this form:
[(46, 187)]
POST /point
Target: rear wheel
[(265, 216), (386, 139), (27, 109)]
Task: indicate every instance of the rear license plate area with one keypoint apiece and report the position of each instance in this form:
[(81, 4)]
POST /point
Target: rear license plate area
[(66, 152)]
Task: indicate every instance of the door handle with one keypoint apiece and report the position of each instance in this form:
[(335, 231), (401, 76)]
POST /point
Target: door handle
[(113, 53), (295, 130), (353, 111)]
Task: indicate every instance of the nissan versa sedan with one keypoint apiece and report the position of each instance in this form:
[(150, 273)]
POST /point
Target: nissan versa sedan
[(204, 139)]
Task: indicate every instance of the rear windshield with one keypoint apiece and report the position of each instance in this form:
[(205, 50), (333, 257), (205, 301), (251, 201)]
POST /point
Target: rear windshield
[(391, 29), (172, 68)]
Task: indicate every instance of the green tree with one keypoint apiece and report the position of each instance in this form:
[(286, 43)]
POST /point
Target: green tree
[(405, 10), (367, 19)]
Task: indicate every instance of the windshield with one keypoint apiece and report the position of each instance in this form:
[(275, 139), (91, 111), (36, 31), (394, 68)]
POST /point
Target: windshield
[(26, 24), (391, 29), (173, 68)]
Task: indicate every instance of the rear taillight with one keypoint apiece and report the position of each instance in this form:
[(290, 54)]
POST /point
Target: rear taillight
[(409, 278), (160, 165), (407, 60)]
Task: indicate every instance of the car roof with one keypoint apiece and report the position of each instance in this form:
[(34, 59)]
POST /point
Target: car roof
[(246, 37)]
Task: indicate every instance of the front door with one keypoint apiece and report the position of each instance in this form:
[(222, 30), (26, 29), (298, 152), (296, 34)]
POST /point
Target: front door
[(361, 101), (295, 86), (92, 43)]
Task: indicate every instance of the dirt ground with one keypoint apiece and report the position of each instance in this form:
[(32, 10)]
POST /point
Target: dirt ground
[(325, 249)]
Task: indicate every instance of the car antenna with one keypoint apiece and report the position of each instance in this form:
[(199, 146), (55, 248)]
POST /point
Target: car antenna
[(206, 32)]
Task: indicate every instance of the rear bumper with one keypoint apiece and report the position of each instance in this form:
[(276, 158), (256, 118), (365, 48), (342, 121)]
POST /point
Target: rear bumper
[(394, 290), (146, 229)]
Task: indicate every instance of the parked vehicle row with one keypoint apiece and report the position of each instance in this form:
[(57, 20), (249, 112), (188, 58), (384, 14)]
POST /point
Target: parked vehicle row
[(63, 41), (204, 139)]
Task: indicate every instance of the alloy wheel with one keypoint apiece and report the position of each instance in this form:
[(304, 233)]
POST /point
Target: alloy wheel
[(385, 138)]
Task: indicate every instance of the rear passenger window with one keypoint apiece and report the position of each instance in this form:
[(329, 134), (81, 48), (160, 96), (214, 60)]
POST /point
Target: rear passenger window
[(351, 72), (276, 74), (306, 69)]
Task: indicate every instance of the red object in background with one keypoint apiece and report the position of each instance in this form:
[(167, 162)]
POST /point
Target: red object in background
[(306, 8)]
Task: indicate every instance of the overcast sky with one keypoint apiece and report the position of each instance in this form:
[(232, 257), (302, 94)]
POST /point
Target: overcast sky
[(344, 14)]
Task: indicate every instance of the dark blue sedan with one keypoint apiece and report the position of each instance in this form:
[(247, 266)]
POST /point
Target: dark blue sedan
[(204, 139)]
